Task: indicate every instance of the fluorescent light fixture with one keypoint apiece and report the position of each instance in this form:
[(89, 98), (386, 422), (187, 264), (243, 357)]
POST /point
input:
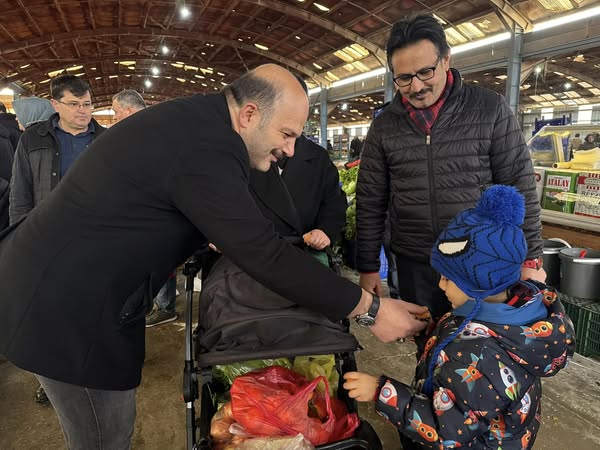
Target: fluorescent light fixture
[(262, 47), (317, 66), (360, 77), (314, 90), (154, 70), (321, 7), (568, 18), (480, 43)]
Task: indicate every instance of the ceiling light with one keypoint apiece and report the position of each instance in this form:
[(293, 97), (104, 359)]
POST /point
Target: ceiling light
[(568, 18), (567, 85), (321, 7), (164, 49), (262, 47), (481, 43), (344, 106), (538, 69), (298, 37), (147, 83), (25, 66), (154, 70), (317, 66), (185, 12)]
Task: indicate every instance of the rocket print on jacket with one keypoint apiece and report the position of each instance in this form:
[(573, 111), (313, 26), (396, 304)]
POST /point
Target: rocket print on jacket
[(470, 374), (510, 381), (476, 330), (536, 331), (486, 382)]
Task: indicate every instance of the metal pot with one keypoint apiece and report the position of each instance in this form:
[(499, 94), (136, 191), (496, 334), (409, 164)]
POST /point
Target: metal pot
[(580, 273), (552, 261)]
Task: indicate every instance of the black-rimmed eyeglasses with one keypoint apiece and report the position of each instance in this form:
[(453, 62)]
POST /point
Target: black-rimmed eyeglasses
[(405, 79), (76, 105)]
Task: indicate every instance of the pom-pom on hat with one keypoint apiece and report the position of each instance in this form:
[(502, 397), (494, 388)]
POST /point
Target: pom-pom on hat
[(483, 248)]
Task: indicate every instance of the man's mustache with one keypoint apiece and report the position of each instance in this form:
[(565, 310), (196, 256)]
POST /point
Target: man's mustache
[(421, 92)]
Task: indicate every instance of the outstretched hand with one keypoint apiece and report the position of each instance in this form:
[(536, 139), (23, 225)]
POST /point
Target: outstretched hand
[(398, 319), (360, 386)]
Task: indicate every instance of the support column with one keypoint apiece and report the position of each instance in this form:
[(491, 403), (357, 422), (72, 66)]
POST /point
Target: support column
[(514, 69), (388, 87), (323, 107)]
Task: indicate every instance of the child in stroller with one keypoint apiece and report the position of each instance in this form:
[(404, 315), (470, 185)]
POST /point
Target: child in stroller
[(240, 320)]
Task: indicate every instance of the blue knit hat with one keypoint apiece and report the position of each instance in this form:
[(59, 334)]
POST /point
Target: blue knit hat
[(481, 251)]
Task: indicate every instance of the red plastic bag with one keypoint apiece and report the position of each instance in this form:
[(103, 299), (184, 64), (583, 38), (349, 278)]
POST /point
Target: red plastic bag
[(276, 401)]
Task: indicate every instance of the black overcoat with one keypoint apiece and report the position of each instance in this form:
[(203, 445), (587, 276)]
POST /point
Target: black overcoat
[(78, 274), (312, 182)]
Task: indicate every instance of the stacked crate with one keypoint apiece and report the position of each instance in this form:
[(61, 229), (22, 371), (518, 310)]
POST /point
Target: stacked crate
[(585, 314)]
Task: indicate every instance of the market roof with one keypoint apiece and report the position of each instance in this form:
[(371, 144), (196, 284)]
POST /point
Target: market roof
[(169, 48)]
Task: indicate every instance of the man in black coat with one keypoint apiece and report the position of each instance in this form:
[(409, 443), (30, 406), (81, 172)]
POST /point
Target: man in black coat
[(80, 271), (315, 204)]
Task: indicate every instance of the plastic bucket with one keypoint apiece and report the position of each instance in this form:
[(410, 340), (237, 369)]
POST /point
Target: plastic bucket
[(580, 273), (552, 261)]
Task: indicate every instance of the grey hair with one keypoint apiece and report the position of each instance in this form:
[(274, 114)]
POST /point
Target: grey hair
[(252, 88), (130, 98)]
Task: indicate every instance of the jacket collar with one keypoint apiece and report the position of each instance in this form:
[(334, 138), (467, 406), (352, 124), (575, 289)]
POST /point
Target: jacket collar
[(47, 126)]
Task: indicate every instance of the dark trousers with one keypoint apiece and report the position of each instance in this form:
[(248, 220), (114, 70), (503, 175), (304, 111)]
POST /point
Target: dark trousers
[(418, 283), (92, 419)]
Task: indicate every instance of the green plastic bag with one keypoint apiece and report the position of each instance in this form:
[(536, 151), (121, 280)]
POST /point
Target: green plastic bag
[(229, 372), (319, 366)]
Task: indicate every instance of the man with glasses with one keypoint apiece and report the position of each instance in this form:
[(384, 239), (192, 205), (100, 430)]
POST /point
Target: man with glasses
[(47, 150), (428, 156)]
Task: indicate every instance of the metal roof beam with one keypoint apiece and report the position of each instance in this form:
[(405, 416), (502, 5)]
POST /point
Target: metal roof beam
[(175, 34)]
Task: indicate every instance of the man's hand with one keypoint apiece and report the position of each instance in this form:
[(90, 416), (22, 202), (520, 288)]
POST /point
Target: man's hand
[(396, 319), (528, 273), (361, 386), (371, 282), (316, 239)]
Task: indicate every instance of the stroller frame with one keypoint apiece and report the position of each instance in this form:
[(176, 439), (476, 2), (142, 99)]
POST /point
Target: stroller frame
[(364, 437)]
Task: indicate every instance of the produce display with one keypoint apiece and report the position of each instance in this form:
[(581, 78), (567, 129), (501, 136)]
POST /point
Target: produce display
[(348, 178)]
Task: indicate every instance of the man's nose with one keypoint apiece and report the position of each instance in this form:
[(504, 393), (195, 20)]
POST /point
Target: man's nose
[(416, 85), (288, 147)]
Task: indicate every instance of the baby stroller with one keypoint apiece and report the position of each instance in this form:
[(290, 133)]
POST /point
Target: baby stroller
[(228, 334)]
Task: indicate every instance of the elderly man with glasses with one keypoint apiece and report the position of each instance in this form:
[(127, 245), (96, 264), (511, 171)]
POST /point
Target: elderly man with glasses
[(47, 150), (428, 156)]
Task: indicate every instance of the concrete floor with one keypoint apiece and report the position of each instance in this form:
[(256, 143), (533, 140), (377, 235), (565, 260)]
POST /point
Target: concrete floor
[(571, 408)]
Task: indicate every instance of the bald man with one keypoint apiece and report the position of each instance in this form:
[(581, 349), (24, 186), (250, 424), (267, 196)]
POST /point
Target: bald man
[(79, 273)]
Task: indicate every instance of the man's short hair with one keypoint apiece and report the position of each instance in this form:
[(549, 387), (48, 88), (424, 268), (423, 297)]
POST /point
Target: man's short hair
[(130, 98), (68, 82), (414, 29), (2, 108), (252, 88)]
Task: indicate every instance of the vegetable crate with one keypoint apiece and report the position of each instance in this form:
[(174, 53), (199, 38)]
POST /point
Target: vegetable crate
[(590, 338), (574, 307)]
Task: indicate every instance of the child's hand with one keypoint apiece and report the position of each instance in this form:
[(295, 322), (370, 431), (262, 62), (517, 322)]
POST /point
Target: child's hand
[(361, 386)]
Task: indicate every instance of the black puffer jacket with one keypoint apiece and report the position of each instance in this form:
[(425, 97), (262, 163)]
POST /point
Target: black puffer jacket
[(427, 180)]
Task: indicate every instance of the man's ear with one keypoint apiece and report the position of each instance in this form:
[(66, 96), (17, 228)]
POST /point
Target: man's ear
[(249, 114), (446, 61)]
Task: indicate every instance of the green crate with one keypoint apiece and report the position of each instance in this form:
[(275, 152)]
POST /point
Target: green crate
[(574, 307), (590, 340)]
